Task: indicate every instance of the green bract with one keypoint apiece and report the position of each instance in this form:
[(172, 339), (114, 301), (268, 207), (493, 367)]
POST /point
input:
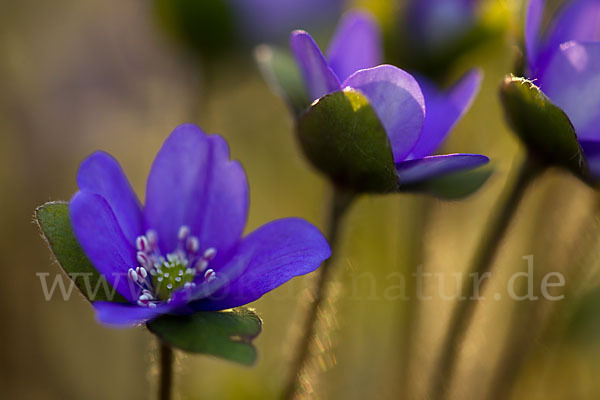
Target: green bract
[(454, 186), (343, 138), (53, 220), (225, 334), (543, 127), (281, 73)]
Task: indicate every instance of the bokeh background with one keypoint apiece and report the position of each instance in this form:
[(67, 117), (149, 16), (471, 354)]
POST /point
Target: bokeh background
[(76, 76)]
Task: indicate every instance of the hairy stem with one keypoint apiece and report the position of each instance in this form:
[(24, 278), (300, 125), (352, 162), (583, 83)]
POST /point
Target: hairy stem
[(482, 263), (340, 202), (166, 372)]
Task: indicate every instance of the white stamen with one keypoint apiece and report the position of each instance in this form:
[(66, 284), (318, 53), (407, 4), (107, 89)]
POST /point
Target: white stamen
[(183, 233), (192, 245), (210, 253), (132, 275), (210, 275), (152, 305), (201, 265), (142, 258), (178, 279), (152, 238), (142, 243), (142, 272), (170, 286)]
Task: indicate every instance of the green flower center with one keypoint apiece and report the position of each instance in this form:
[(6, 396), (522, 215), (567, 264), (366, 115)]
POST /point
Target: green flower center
[(171, 276)]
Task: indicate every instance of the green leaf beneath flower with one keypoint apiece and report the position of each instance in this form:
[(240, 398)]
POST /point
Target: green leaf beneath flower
[(544, 128), (223, 334), (454, 186), (283, 76), (55, 225), (343, 138)]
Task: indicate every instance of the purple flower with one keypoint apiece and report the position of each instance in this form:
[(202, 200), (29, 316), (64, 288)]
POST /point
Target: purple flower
[(183, 251), (437, 22), (565, 63), (417, 116), (271, 20)]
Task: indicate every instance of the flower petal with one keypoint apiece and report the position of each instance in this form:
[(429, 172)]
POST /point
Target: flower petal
[(398, 102), (414, 171), (194, 183), (356, 44), (444, 109), (276, 252), (318, 76), (572, 82), (578, 21), (100, 173), (533, 23), (101, 238), (591, 149), (120, 315)]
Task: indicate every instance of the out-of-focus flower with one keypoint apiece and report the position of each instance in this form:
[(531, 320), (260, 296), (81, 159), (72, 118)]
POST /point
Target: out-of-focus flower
[(212, 27), (564, 62), (432, 34), (271, 20), (416, 118), (436, 23), (183, 250)]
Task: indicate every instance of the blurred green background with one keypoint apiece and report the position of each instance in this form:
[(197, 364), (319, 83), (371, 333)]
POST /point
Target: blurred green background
[(76, 76)]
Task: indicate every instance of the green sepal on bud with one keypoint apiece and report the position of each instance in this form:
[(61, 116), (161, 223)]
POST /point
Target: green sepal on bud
[(542, 126), (344, 139), (282, 74)]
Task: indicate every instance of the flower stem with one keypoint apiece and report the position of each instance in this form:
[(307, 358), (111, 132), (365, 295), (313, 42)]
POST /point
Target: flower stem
[(410, 317), (340, 202), (541, 324), (482, 263), (166, 372)]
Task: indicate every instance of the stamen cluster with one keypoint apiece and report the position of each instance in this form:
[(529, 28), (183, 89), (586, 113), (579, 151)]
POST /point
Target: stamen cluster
[(158, 277)]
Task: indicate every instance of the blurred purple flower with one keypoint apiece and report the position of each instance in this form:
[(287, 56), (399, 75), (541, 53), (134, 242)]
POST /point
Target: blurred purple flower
[(271, 20), (565, 61), (437, 22), (398, 99), (183, 250)]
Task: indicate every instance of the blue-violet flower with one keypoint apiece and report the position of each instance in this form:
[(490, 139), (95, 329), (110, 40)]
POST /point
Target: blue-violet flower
[(417, 116), (183, 251), (435, 23), (564, 62)]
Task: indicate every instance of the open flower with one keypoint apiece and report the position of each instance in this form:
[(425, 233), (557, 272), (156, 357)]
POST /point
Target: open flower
[(183, 251), (564, 62), (416, 117)]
